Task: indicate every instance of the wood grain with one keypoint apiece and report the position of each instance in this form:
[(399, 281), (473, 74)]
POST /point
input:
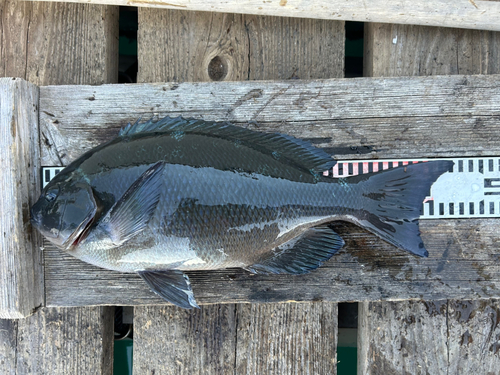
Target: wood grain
[(57, 44), (53, 43), (433, 337), (171, 340), (406, 50), (286, 338), (8, 340), (21, 274), (242, 339), (378, 118), (59, 341), (465, 14), (201, 46), (463, 263)]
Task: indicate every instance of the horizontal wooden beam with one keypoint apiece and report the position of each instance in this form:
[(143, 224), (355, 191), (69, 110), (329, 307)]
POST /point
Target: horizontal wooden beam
[(439, 116), (468, 14), (20, 260)]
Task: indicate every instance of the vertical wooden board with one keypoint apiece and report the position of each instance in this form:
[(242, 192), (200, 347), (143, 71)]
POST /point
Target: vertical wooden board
[(294, 48), (199, 46), (66, 341), (8, 338), (407, 50), (171, 340), (21, 275), (287, 338), (57, 43), (407, 337), (181, 46), (474, 337)]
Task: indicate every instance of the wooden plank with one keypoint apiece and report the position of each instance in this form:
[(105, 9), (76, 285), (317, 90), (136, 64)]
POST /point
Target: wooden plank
[(404, 50), (438, 337), (55, 44), (287, 338), (391, 117), (51, 43), (464, 13), (58, 341), (248, 339), (431, 117), (474, 337), (403, 338), (201, 46), (21, 275), (8, 338), (233, 47), (192, 341)]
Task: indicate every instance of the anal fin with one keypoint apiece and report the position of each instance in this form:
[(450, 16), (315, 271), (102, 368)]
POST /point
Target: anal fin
[(171, 285), (301, 254)]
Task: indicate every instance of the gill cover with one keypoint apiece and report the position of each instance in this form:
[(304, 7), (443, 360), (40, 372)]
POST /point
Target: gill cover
[(64, 211)]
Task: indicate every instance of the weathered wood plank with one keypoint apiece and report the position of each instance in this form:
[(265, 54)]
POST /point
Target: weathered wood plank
[(432, 116), (390, 117), (51, 43), (403, 338), (201, 46), (463, 263), (242, 339), (404, 50), (286, 338), (464, 13), (21, 275), (58, 341), (438, 337), (171, 340), (8, 340), (56, 44), (474, 337)]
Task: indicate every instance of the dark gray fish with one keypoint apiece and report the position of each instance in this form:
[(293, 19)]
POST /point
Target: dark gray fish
[(176, 195)]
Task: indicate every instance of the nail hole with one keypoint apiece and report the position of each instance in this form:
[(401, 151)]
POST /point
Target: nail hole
[(217, 69)]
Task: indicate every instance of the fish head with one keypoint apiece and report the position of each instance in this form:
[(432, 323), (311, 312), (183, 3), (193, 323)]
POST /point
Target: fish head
[(65, 211)]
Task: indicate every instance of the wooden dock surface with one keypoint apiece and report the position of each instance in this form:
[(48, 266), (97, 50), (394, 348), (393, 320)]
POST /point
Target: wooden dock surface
[(272, 337)]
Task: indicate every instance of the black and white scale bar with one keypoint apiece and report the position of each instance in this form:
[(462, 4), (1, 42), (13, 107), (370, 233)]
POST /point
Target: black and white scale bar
[(48, 173), (472, 189)]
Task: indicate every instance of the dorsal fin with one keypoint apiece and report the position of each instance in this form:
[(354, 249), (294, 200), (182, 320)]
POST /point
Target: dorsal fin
[(296, 151)]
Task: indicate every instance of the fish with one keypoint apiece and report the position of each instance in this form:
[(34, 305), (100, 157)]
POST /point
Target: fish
[(173, 195)]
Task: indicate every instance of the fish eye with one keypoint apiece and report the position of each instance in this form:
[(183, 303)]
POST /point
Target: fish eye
[(51, 195)]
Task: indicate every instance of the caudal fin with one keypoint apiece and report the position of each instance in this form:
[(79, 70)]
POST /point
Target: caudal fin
[(392, 202)]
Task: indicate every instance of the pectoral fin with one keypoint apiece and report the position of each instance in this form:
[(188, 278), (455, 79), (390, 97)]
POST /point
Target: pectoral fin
[(172, 285), (301, 254), (132, 212)]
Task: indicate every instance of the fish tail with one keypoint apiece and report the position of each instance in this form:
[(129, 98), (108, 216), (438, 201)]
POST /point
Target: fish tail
[(392, 202)]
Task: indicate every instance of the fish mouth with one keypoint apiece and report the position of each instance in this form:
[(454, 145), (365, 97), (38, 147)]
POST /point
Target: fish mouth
[(81, 232)]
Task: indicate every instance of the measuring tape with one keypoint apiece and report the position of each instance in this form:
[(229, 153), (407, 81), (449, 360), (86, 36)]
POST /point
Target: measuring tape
[(472, 189)]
